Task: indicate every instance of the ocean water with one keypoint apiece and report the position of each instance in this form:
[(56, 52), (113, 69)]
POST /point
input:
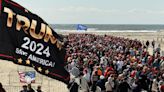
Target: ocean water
[(112, 27)]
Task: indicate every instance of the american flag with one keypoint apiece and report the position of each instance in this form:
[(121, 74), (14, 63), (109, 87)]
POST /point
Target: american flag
[(27, 77)]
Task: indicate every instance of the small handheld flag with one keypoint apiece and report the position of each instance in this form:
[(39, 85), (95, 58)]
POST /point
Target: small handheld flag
[(27, 77)]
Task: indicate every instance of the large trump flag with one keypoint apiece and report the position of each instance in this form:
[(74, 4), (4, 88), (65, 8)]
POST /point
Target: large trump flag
[(28, 40)]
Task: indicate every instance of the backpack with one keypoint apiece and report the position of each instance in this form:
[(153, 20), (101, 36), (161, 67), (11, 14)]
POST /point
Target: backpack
[(73, 87)]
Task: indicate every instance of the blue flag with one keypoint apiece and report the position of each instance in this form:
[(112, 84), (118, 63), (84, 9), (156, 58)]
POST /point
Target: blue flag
[(81, 27)]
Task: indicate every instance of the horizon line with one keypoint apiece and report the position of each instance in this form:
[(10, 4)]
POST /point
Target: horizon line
[(100, 24)]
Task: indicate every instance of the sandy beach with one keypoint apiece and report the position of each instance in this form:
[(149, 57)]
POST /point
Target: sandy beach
[(10, 79)]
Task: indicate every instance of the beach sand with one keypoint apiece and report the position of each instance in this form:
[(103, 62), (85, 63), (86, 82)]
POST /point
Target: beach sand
[(9, 71), (10, 79)]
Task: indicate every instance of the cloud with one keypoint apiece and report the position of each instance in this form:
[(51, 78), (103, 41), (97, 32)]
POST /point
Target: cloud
[(84, 9), (82, 14), (145, 11)]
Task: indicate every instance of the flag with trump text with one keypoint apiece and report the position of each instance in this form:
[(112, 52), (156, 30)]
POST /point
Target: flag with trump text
[(28, 40)]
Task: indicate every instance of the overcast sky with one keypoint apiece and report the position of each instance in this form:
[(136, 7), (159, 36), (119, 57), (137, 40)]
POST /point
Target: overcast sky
[(97, 11)]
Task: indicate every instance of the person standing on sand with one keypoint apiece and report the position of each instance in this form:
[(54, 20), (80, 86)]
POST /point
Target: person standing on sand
[(39, 89), (147, 43), (73, 86), (124, 86), (153, 44), (30, 89), (24, 89), (94, 79), (1, 88), (82, 82), (109, 85), (101, 83)]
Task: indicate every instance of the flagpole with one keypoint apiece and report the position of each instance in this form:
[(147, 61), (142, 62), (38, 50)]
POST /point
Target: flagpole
[(49, 84), (9, 77)]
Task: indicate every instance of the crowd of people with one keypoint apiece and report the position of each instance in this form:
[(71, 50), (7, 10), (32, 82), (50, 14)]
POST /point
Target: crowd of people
[(103, 63)]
